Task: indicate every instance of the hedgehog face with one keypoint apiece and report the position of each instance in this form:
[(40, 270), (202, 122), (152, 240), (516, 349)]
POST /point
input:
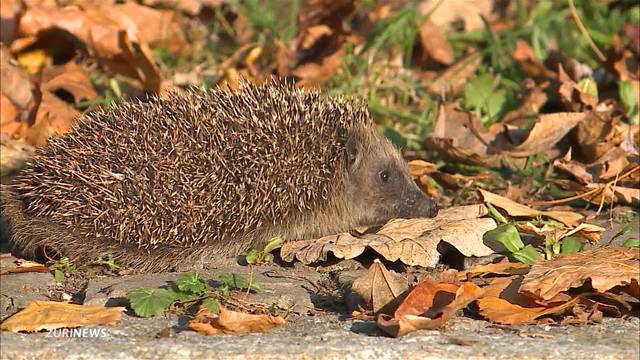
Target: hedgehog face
[(379, 186)]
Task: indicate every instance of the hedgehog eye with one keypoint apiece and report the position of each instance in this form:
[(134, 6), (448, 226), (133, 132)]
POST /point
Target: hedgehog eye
[(384, 175)]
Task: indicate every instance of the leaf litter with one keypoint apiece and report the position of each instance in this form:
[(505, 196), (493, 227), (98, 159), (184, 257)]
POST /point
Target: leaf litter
[(501, 106)]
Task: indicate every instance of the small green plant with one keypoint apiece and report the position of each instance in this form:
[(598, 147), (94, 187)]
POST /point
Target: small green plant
[(485, 97), (507, 235), (190, 288), (108, 262), (60, 267), (629, 100), (632, 243), (256, 257)]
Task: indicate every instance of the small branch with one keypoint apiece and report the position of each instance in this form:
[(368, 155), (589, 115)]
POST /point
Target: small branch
[(584, 32), (585, 194)]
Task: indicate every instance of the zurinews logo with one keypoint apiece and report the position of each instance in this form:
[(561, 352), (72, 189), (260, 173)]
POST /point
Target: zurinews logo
[(78, 333)]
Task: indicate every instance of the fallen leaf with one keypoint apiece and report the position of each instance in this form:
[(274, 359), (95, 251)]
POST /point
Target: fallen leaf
[(504, 267), (115, 41), (49, 315), (454, 78), (445, 15), (232, 322), (529, 61), (379, 287), (605, 267), (465, 294), (9, 16), (426, 295), (70, 78), (547, 131), (412, 241), (313, 34), (503, 312), (514, 209), (435, 45), (312, 74)]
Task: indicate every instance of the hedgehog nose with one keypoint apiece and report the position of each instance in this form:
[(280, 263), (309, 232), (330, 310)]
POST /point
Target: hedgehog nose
[(422, 205)]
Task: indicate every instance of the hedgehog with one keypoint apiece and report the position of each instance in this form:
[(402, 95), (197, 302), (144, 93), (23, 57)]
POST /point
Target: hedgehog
[(197, 176)]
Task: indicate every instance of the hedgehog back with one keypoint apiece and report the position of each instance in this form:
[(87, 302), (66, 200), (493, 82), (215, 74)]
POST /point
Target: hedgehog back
[(192, 168)]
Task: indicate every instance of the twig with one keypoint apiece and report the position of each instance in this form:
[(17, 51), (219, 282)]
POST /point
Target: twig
[(585, 194), (584, 32)]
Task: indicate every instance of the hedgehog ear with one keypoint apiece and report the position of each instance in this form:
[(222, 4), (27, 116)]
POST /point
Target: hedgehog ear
[(353, 148)]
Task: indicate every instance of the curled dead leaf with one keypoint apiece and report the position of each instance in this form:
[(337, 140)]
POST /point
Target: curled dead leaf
[(232, 322), (49, 315), (412, 241), (407, 323), (379, 287), (605, 267), (514, 209)]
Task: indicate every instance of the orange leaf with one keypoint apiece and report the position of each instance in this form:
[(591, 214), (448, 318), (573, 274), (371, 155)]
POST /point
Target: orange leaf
[(48, 315), (232, 322)]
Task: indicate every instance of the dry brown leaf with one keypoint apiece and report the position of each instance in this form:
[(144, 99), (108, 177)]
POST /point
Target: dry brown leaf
[(514, 209), (49, 315), (446, 14), (589, 231), (502, 311), (232, 322), (107, 38), (529, 61), (596, 135), (434, 44), (504, 267), (617, 194), (9, 16), (313, 75), (465, 294), (454, 78), (547, 131), (156, 27), (70, 78), (460, 136), (313, 34), (417, 168), (606, 267), (15, 83), (379, 287), (412, 241), (426, 295)]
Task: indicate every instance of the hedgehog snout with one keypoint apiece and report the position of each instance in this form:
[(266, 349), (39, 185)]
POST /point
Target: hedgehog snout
[(419, 205)]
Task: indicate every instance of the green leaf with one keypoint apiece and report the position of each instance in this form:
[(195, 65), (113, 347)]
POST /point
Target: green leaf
[(589, 87), (629, 100), (273, 244), (527, 255), (496, 215), (234, 281), (572, 244), (253, 256), (508, 236), (631, 243), (480, 95), (191, 283), (212, 305), (58, 275), (150, 302)]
